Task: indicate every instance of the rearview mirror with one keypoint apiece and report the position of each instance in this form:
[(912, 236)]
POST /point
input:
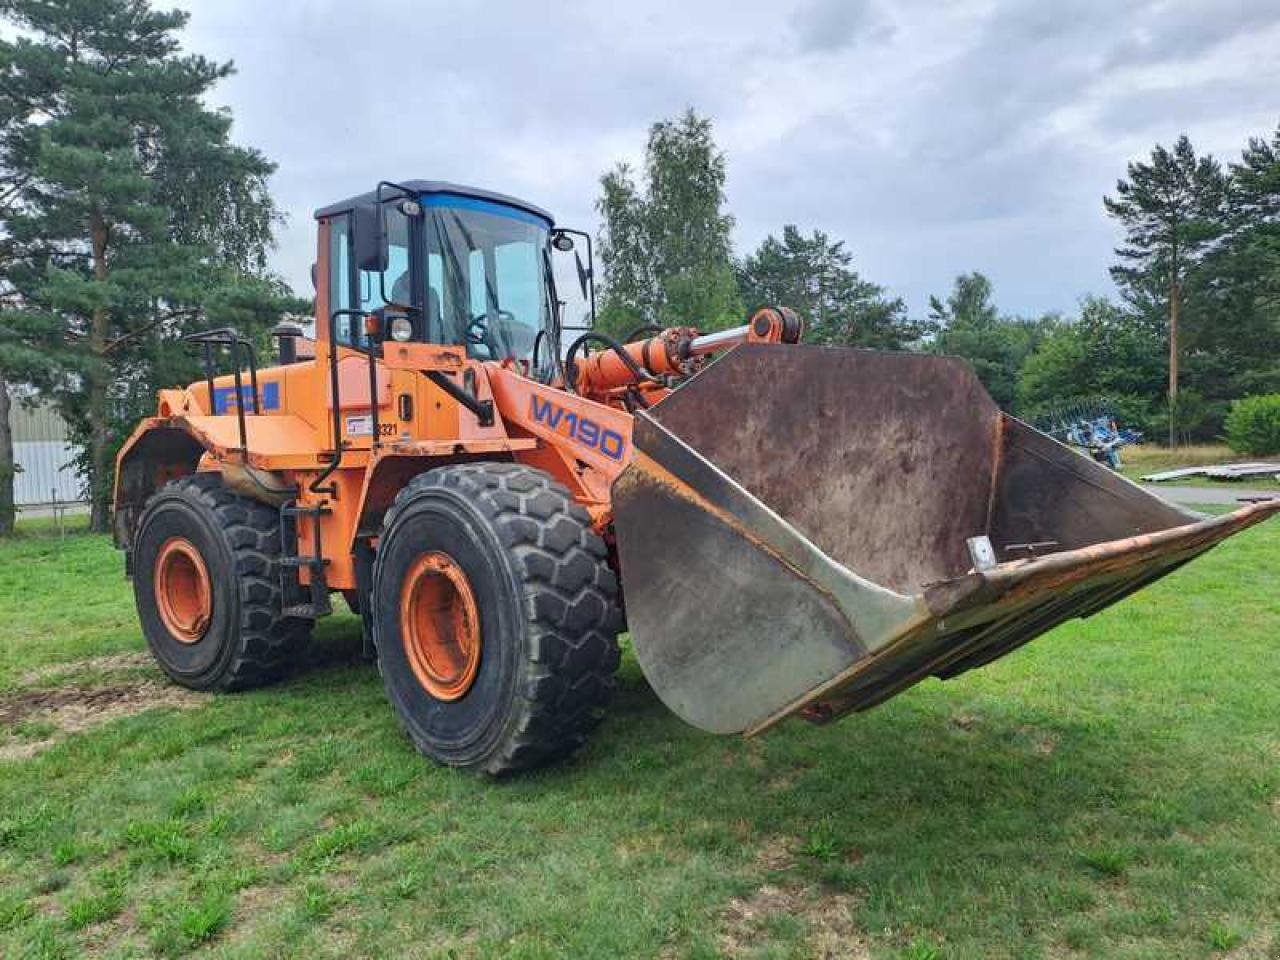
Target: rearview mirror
[(370, 241)]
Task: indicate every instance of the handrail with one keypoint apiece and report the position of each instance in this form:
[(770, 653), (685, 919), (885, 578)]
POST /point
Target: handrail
[(230, 337), (375, 443), (317, 485)]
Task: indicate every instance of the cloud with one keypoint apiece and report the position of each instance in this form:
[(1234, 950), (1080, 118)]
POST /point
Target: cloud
[(934, 138), (825, 26), (1178, 31)]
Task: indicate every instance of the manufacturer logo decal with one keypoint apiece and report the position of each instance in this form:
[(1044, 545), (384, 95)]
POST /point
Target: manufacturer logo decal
[(224, 397)]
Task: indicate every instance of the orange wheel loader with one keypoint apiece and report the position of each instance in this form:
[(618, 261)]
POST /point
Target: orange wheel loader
[(784, 529)]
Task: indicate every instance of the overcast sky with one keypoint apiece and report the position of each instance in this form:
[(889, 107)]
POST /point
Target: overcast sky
[(934, 138)]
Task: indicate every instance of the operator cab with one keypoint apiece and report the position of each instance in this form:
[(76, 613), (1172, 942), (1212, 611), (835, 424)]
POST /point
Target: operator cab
[(446, 264)]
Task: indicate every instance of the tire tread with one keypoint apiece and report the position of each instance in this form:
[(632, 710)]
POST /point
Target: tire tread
[(570, 605), (266, 644)]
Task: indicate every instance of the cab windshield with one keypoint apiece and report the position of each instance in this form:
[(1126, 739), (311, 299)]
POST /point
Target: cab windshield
[(486, 280)]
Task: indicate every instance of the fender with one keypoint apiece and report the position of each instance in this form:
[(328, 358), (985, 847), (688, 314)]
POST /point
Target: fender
[(155, 454)]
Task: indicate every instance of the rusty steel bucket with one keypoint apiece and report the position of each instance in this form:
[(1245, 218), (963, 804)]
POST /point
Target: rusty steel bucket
[(812, 530)]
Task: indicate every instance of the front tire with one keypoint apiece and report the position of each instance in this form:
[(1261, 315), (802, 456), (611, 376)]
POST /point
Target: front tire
[(207, 587), (496, 617)]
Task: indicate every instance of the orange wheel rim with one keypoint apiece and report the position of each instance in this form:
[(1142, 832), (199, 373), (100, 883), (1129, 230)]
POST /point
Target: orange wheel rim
[(440, 626), (184, 596)]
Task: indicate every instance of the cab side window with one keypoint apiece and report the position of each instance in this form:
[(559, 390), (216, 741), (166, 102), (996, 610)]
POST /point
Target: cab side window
[(351, 289), (347, 329)]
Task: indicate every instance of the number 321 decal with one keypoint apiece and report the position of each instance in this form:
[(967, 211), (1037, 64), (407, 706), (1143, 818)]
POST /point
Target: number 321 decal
[(363, 427)]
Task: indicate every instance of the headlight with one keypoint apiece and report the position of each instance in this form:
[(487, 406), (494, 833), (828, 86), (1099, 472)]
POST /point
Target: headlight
[(401, 329)]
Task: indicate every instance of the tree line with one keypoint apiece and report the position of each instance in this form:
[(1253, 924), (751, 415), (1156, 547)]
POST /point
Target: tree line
[(1195, 326), (129, 218)]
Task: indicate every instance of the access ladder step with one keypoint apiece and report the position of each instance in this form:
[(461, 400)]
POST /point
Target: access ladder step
[(304, 601), (309, 611), (313, 563)]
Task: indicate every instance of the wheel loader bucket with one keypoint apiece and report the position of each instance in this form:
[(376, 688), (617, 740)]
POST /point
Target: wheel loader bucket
[(813, 530)]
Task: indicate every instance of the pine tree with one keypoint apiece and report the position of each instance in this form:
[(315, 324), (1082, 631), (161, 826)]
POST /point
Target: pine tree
[(814, 276), (20, 360), (136, 218), (1173, 210), (1240, 279)]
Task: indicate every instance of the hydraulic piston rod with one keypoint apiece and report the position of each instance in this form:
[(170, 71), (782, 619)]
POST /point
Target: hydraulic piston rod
[(680, 351)]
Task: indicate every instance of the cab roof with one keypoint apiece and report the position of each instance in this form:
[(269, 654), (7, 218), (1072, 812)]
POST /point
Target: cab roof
[(435, 186)]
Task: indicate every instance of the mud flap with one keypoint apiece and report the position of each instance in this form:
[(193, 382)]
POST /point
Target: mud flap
[(793, 533)]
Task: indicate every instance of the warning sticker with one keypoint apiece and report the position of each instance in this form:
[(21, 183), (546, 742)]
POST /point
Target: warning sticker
[(360, 426)]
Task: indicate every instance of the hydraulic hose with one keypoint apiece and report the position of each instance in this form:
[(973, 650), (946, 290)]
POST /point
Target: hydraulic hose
[(571, 367)]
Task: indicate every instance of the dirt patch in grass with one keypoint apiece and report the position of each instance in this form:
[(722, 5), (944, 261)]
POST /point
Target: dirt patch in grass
[(74, 709), (112, 937), (830, 931), (775, 854), (113, 663), (1043, 742), (781, 783), (1046, 744)]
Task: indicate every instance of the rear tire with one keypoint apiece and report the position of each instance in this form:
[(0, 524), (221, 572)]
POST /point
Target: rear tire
[(226, 633), (506, 544)]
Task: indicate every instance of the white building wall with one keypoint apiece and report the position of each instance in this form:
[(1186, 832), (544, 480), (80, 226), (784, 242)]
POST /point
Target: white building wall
[(43, 457)]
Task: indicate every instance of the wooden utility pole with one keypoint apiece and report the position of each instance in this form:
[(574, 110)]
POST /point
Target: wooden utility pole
[(1175, 295), (1175, 292)]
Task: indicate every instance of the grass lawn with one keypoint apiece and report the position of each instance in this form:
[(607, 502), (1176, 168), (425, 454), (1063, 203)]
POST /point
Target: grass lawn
[(1113, 790)]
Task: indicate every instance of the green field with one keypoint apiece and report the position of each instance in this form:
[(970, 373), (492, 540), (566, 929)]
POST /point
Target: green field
[(1111, 791)]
